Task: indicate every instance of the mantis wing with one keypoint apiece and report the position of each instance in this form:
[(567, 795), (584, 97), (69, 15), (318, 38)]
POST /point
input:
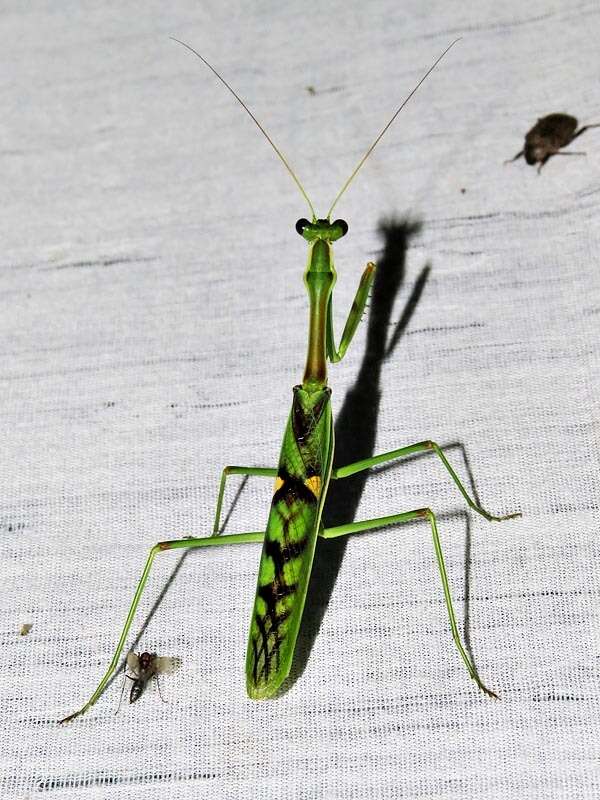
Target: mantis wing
[(290, 539)]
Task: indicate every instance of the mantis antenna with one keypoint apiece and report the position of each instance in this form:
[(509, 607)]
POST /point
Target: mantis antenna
[(253, 118), (376, 142)]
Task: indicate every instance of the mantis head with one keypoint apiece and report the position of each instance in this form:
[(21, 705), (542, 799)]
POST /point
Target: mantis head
[(322, 229)]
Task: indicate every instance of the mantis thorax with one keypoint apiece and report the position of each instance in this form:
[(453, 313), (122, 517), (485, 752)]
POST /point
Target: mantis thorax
[(319, 279)]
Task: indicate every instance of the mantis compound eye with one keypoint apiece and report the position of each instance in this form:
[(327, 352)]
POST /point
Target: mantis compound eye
[(342, 225), (301, 225)]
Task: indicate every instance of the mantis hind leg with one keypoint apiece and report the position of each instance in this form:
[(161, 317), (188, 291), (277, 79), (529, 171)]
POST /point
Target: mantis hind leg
[(420, 447), (409, 516), (265, 472), (161, 547)]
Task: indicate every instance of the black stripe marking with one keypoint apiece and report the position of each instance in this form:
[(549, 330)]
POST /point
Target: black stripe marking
[(255, 665), (292, 489), (271, 593), (281, 554), (263, 649)]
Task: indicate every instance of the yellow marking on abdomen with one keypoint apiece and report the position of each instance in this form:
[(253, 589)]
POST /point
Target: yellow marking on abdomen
[(314, 484), (278, 484)]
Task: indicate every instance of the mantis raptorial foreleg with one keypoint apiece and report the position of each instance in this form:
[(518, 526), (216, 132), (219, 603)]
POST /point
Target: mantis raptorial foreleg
[(265, 472), (419, 447), (160, 547), (354, 316), (409, 516)]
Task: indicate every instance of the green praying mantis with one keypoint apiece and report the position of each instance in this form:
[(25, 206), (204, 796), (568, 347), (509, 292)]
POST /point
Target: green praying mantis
[(305, 470)]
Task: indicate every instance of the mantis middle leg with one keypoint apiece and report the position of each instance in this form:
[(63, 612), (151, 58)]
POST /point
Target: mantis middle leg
[(265, 472), (419, 447)]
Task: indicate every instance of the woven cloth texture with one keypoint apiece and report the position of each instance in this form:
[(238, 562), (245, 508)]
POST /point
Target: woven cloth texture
[(154, 323)]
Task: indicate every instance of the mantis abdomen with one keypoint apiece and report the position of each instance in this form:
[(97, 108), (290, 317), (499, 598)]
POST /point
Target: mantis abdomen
[(290, 539)]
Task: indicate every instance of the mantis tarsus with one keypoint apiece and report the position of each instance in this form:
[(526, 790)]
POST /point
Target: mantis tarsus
[(304, 471)]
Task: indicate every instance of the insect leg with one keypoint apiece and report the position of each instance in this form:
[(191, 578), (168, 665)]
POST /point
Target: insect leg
[(519, 154), (559, 153), (266, 472), (358, 466), (125, 675), (160, 547), (583, 129), (158, 687), (544, 160), (354, 316), (408, 516)]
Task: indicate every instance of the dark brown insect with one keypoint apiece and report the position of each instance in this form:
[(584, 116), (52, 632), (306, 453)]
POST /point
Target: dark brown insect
[(548, 136), (143, 667)]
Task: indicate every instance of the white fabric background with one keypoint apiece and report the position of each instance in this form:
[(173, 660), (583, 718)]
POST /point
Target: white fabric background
[(153, 323)]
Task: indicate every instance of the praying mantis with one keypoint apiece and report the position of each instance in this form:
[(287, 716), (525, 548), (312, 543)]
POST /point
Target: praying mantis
[(305, 470)]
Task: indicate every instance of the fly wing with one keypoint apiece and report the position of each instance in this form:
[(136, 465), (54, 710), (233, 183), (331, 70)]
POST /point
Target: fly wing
[(289, 545), (165, 665), (133, 662)]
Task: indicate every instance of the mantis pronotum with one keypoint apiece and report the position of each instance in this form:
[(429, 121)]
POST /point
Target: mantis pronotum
[(305, 470)]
